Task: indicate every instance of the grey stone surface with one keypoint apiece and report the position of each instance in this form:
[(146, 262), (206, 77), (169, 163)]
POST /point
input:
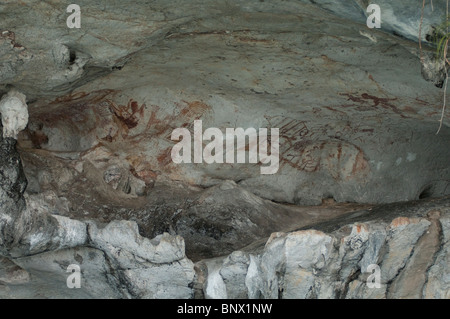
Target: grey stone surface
[(409, 241), (49, 275), (402, 238), (29, 229), (410, 286), (112, 32), (234, 273), (409, 250), (165, 281), (123, 236), (438, 284), (11, 274), (352, 126), (40, 247), (357, 112), (14, 112), (12, 187), (401, 17)]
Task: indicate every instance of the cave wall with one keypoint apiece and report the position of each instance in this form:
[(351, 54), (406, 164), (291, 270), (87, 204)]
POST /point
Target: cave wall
[(357, 112), (357, 119)]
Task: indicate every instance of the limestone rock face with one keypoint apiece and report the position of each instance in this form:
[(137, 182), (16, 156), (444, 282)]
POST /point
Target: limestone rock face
[(40, 246), (355, 113), (12, 186), (406, 243), (357, 207), (340, 263), (14, 111), (29, 229)]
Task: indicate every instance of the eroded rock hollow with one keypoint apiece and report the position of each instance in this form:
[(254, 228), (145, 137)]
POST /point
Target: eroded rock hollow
[(88, 180)]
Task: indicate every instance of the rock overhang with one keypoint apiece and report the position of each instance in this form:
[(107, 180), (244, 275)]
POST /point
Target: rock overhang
[(356, 117)]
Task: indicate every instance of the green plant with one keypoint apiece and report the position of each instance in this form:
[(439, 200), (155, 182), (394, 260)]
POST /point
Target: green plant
[(441, 51), (442, 36)]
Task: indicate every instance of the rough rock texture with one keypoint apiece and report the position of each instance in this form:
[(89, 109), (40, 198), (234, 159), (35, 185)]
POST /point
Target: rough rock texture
[(53, 61), (154, 268), (401, 18), (409, 241), (40, 246), (357, 112), (332, 260), (354, 112), (12, 187), (14, 111), (27, 230)]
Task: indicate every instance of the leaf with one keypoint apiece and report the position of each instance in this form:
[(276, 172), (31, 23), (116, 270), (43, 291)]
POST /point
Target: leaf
[(441, 47)]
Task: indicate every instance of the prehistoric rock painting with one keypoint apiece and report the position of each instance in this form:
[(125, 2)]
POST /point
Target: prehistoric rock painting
[(302, 149)]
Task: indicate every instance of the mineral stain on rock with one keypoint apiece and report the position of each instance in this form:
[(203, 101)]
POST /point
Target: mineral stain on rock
[(363, 182)]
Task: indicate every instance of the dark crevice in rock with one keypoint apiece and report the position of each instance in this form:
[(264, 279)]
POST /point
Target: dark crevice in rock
[(405, 284), (399, 272), (342, 292), (435, 255), (116, 278), (427, 192), (72, 57), (385, 212)]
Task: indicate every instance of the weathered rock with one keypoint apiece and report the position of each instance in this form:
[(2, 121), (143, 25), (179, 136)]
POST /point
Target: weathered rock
[(234, 272), (331, 142), (313, 264), (306, 252), (154, 268), (29, 229), (119, 237), (49, 274), (55, 61), (11, 274), (402, 18), (125, 264), (410, 283), (166, 281), (403, 235), (357, 114), (14, 111), (12, 187), (36, 231), (438, 284)]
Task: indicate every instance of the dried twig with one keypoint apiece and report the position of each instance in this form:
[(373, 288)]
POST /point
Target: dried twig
[(443, 107), (446, 78)]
